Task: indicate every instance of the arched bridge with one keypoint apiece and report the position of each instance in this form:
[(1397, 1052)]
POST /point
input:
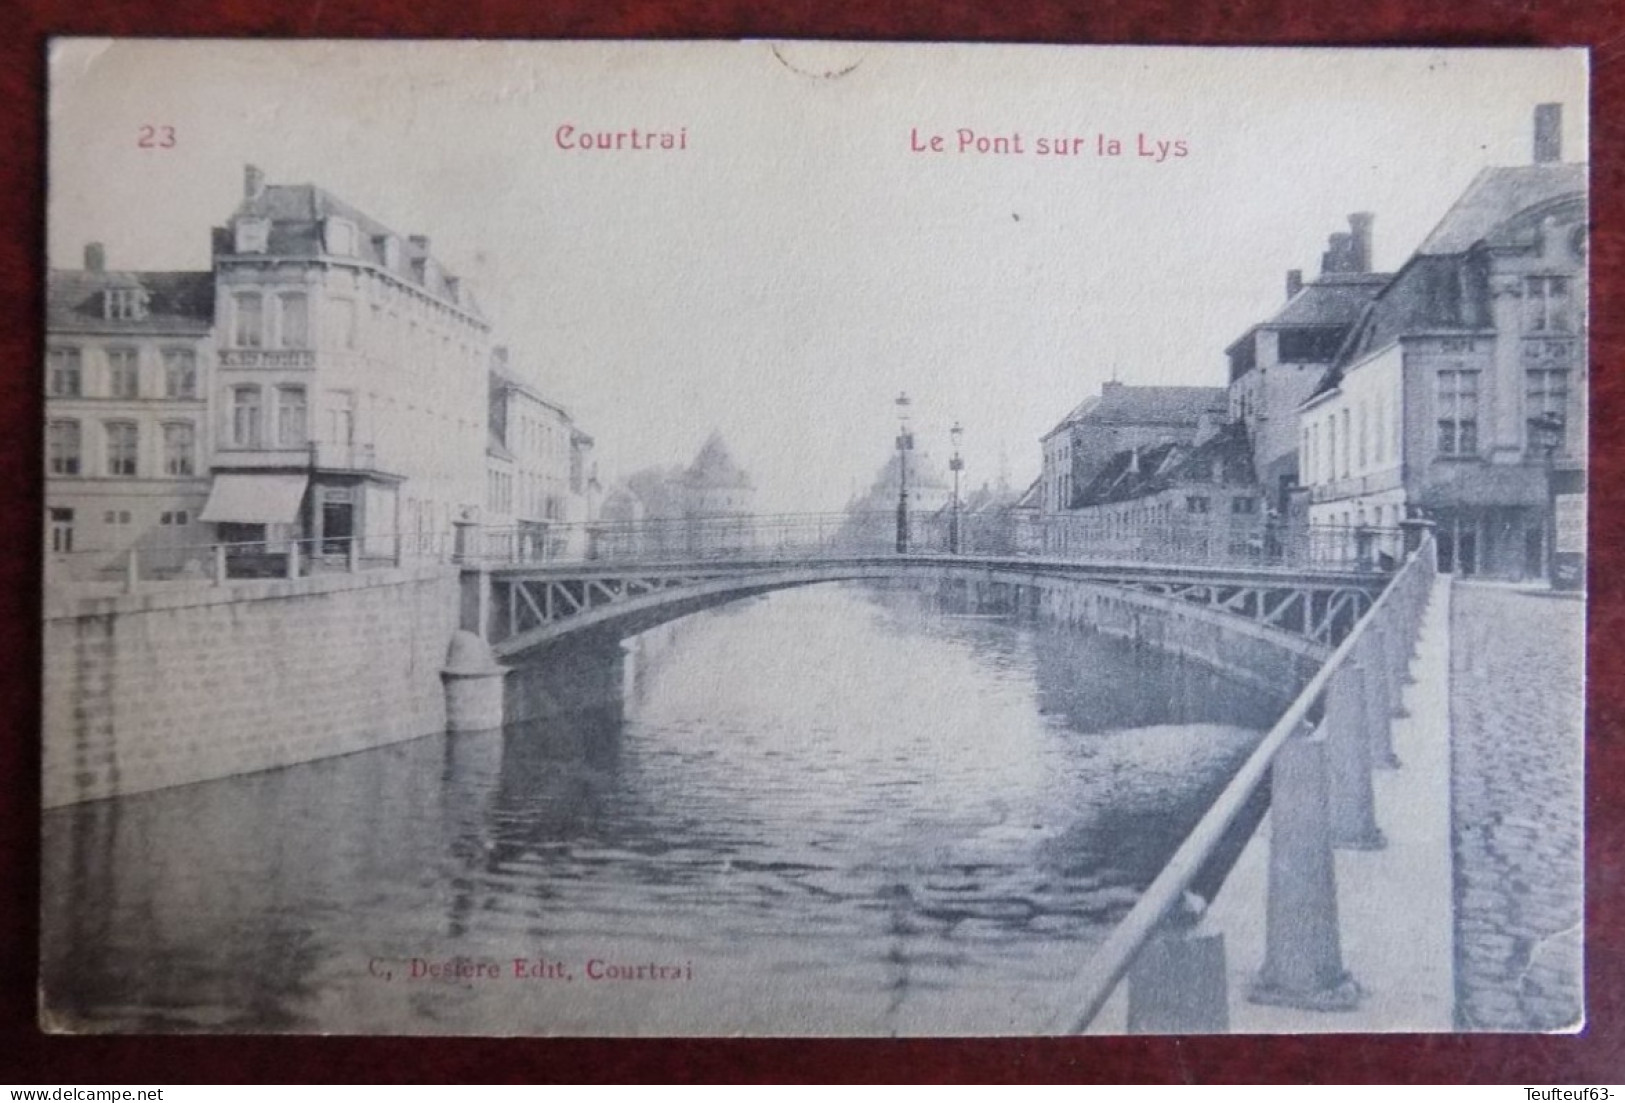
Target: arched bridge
[(534, 606)]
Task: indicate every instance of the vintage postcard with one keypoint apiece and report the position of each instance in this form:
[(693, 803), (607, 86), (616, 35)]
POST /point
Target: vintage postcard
[(793, 538)]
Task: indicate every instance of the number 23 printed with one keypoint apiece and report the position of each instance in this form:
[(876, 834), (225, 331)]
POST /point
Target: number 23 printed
[(155, 137)]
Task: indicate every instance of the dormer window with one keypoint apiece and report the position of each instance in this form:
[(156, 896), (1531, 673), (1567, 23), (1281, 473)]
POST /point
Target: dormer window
[(338, 237), (124, 304), (389, 250), (252, 235)]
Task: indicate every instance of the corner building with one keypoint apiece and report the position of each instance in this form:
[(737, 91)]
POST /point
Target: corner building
[(1461, 394), (351, 390)]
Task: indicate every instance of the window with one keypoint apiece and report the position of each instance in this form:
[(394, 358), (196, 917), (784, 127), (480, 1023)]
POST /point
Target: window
[(123, 373), (174, 517), (62, 447), (66, 375), (1458, 412), (1196, 503), (341, 417), (61, 529), (1380, 437), (249, 310), (1546, 305), (245, 417), (1347, 442), (1243, 505), (1308, 346), (344, 317), (1364, 428), (1547, 394), (122, 442), (294, 332), (124, 304), (180, 448), (116, 517), (180, 373), (290, 417), (1331, 448)]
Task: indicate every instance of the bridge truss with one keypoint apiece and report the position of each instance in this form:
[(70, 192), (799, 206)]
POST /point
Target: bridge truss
[(534, 605)]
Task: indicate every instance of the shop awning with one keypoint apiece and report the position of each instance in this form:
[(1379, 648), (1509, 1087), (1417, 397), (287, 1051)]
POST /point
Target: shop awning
[(255, 499)]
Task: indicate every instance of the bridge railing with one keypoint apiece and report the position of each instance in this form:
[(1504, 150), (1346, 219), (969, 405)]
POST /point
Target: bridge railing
[(1318, 759), (1201, 542)]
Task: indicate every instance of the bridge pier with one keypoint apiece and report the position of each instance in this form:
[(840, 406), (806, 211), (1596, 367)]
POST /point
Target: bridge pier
[(585, 677)]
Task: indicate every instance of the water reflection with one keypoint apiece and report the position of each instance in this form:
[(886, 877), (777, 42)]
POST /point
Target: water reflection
[(840, 811)]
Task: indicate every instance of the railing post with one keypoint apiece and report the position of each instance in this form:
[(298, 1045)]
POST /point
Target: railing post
[(1303, 955), (219, 564), (1396, 652), (1378, 702), (1348, 751), (1177, 984), (293, 558)]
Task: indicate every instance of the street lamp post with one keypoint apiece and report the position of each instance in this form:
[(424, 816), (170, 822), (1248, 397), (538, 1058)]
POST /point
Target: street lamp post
[(1546, 431), (956, 465), (905, 445)]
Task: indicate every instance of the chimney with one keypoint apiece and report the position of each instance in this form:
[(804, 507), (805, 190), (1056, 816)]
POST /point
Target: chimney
[(1338, 255), (1294, 281), (95, 257), (1548, 133), (1110, 385), (253, 182), (1360, 246)]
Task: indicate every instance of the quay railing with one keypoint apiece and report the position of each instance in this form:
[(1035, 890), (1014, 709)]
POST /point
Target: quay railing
[(144, 564), (1318, 758)]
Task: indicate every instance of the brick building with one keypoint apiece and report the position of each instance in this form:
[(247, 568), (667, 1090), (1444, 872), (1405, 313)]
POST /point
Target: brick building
[(1119, 419), (1277, 364)]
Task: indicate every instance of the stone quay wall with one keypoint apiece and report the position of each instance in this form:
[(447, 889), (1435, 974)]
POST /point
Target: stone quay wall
[(1270, 659), (185, 683)]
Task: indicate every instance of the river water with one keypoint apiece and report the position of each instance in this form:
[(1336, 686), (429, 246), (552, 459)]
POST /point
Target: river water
[(825, 811)]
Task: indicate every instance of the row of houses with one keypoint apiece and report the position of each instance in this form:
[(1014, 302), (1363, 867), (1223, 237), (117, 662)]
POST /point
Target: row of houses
[(327, 380), (1451, 390)]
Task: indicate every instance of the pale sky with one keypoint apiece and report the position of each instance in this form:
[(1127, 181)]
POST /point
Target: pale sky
[(797, 265)]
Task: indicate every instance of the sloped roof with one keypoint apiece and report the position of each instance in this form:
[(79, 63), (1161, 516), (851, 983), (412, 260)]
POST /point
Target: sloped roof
[(1121, 404), (178, 302), (1495, 195), (1439, 288), (296, 212), (1224, 458), (1330, 301)]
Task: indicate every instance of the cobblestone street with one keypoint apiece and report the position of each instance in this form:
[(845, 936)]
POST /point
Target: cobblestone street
[(1516, 705)]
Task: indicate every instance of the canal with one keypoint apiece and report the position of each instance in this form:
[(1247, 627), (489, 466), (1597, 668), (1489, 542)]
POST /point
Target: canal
[(831, 810)]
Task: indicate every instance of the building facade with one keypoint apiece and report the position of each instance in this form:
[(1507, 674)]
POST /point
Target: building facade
[(1277, 365), (541, 480), (127, 440), (350, 396), (1461, 395), (1118, 420), (1174, 502)]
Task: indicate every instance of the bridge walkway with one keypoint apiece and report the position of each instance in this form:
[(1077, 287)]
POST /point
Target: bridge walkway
[(1395, 905)]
